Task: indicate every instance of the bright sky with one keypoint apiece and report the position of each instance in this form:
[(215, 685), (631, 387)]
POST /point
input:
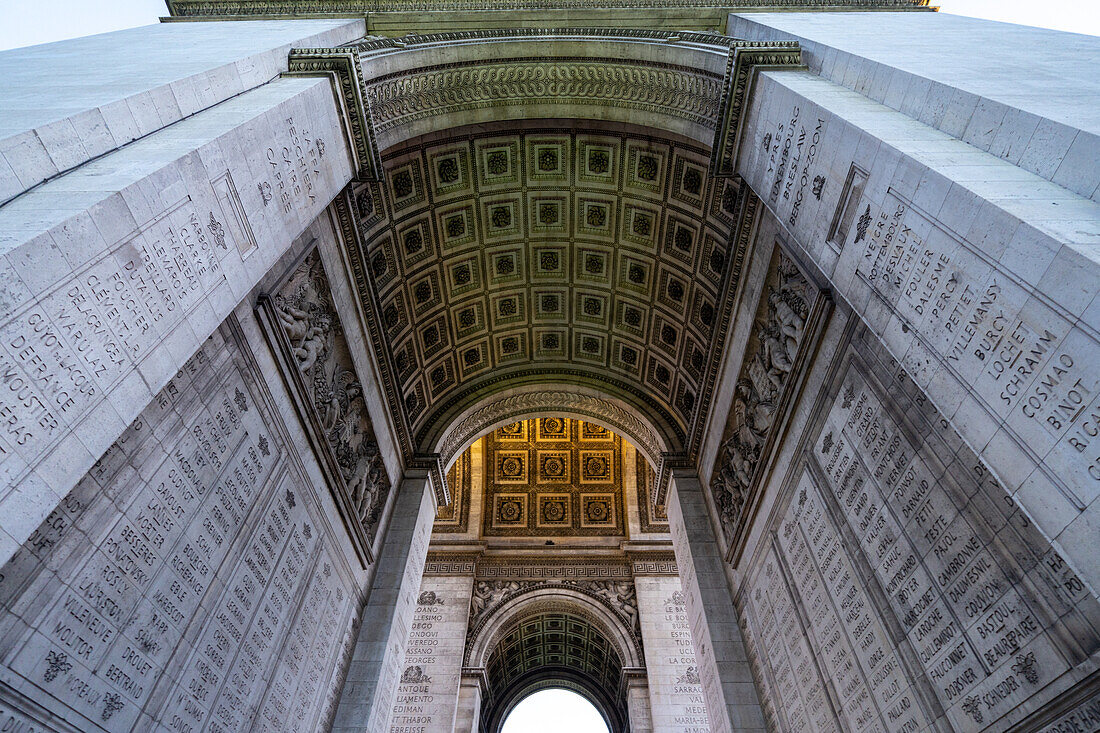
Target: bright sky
[(26, 22), (554, 711)]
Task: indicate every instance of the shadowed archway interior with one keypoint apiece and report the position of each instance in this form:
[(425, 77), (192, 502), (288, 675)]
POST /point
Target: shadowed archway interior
[(554, 649)]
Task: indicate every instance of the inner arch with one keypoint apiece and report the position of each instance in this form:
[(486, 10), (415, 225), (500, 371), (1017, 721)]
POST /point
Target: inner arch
[(548, 707), (554, 648)]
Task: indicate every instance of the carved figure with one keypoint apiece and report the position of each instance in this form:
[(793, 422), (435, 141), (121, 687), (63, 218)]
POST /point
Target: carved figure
[(306, 338), (487, 593), (777, 336), (312, 328)]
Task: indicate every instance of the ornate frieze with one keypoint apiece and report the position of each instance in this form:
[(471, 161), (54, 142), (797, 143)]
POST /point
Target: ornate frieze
[(785, 327), (358, 8), (653, 563), (683, 92), (544, 568), (618, 596), (450, 563), (307, 336)]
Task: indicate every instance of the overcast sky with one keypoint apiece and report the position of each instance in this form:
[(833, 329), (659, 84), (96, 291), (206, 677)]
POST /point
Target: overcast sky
[(26, 22)]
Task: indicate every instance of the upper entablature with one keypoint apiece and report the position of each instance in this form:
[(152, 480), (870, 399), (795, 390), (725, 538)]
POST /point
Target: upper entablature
[(400, 17)]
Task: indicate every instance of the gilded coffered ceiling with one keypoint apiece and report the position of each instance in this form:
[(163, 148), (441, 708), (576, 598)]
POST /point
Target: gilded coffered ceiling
[(549, 477), (531, 253)]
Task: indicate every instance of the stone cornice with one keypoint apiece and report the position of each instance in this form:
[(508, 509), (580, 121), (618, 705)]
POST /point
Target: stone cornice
[(359, 8), (344, 68), (745, 62)]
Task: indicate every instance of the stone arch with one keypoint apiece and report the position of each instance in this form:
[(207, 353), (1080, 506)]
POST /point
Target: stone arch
[(517, 693), (426, 82), (487, 627), (648, 436), (562, 613)]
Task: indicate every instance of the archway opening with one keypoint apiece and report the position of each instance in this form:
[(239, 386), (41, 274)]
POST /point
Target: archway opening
[(554, 709)]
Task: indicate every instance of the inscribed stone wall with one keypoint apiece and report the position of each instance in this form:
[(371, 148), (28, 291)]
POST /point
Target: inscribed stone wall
[(902, 584), (971, 270), (112, 274), (675, 691), (427, 693), (191, 581)]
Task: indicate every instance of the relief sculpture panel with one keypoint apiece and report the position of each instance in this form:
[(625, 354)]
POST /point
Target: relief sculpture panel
[(902, 584), (190, 578), (783, 331), (317, 364)]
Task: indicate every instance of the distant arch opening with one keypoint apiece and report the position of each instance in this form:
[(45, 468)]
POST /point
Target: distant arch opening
[(554, 709)]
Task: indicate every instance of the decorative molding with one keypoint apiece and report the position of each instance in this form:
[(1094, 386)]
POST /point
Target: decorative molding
[(745, 62), (344, 68), (455, 516), (450, 563), (369, 45), (434, 466), (749, 207), (347, 222), (651, 518), (682, 92), (654, 563), (669, 462), (530, 568), (530, 403), (359, 8)]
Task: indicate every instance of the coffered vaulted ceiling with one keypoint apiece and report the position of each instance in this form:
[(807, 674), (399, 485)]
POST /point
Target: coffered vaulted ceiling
[(546, 253)]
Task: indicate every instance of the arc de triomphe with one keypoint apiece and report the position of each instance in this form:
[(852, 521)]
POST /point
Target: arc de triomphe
[(367, 366)]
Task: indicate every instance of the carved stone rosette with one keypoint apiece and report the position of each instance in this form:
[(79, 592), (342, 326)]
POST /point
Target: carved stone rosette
[(789, 319), (302, 325)]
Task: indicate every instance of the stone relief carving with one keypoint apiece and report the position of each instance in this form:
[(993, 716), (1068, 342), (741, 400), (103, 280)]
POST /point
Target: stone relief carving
[(410, 97), (308, 319), (414, 675), (689, 677), (618, 595), (773, 347)]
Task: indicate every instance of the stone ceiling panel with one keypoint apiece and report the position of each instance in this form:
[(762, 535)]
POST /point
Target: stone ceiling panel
[(537, 252)]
